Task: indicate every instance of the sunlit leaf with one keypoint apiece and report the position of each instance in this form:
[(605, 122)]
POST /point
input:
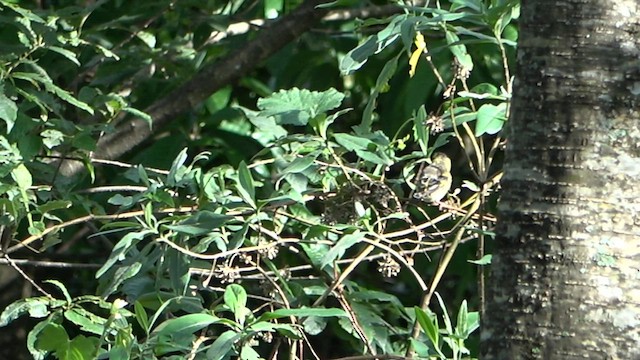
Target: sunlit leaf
[(490, 119), (22, 177), (186, 324), (35, 307), (485, 260), (459, 50), (223, 345), (61, 287), (303, 312), (86, 320), (8, 111), (338, 250), (235, 297), (66, 53), (298, 106), (246, 185)]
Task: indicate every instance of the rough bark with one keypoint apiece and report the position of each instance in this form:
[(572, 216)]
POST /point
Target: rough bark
[(565, 273)]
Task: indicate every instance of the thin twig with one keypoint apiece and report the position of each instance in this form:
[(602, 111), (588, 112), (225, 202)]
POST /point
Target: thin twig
[(104, 189), (355, 322), (50, 264), (91, 217), (374, 357), (445, 259), (26, 277)]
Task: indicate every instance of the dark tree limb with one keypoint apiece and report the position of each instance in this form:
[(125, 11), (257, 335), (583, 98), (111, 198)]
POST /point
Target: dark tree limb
[(214, 76)]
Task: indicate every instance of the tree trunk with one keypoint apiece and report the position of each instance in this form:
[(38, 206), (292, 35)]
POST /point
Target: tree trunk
[(565, 278)]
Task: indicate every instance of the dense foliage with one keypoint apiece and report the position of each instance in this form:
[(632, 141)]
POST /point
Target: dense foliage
[(280, 216)]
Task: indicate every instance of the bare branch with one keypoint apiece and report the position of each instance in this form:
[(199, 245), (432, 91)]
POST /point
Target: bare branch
[(211, 78)]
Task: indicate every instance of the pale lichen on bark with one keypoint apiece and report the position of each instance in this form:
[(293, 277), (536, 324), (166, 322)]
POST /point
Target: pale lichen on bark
[(567, 261)]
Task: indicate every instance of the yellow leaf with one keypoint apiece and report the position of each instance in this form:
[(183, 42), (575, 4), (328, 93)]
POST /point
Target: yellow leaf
[(415, 56)]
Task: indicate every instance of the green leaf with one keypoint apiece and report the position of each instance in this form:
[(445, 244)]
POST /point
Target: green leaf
[(36, 307), (321, 124), (53, 337), (37, 227), (485, 38), (272, 8), (120, 200), (121, 274), (148, 38), (66, 96), (235, 297), (141, 114), (445, 314), (482, 91), (422, 349), (490, 119), (459, 50), (52, 138), (186, 324), (303, 312), (420, 129), (141, 316), (203, 222), (8, 111), (246, 186), (288, 330), (86, 320), (314, 251), (476, 5), (382, 85), (267, 127), (377, 158), (66, 53), (178, 266), (121, 248), (354, 143), (300, 164), (485, 260), (473, 323), (429, 325), (461, 321), (173, 178), (160, 301), (81, 348), (218, 100), (22, 177), (62, 288), (32, 339), (314, 325), (338, 250), (54, 205), (247, 353), (357, 57), (149, 218), (223, 345), (297, 107)]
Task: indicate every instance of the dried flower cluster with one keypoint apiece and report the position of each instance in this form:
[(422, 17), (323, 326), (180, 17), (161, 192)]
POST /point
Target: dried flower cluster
[(388, 266), (340, 209), (226, 272), (267, 249)]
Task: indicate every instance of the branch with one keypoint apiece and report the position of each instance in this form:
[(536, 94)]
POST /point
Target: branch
[(243, 27), (211, 78)]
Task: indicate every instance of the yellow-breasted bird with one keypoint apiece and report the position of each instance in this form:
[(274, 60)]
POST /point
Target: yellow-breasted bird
[(434, 180)]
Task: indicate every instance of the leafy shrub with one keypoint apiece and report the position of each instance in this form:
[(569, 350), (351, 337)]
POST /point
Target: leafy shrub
[(268, 252)]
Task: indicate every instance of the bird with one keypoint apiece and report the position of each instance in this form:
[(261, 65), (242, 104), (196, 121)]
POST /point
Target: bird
[(434, 180)]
